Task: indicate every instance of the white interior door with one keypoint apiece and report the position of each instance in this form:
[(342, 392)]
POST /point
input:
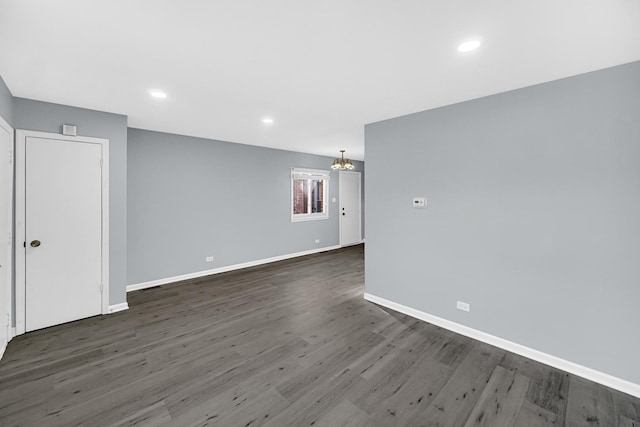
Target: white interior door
[(6, 208), (350, 216), (63, 231)]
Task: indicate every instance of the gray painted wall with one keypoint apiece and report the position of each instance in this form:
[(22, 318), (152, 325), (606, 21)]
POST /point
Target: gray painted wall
[(47, 117), (533, 216), (6, 103), (189, 198)]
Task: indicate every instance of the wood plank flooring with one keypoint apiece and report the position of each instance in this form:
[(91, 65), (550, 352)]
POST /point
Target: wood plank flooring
[(291, 343)]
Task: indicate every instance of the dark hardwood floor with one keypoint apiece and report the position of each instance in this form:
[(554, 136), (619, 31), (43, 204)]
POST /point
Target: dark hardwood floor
[(291, 343)]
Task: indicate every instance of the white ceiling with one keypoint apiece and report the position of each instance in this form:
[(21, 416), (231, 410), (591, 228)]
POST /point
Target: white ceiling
[(321, 69)]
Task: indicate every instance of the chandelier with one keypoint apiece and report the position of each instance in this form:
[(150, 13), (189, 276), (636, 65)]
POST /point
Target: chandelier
[(341, 163)]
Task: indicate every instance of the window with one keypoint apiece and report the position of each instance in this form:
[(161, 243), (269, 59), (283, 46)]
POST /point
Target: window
[(309, 194)]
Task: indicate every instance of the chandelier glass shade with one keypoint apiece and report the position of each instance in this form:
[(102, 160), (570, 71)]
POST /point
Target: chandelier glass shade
[(342, 164)]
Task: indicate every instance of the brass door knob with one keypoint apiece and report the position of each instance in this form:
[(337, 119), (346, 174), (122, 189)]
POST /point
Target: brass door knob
[(35, 243)]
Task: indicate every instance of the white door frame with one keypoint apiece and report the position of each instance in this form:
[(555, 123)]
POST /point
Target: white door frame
[(340, 174), (21, 139), (9, 266)]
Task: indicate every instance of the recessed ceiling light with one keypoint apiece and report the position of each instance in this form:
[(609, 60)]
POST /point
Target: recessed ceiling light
[(468, 46), (157, 94), (267, 121)]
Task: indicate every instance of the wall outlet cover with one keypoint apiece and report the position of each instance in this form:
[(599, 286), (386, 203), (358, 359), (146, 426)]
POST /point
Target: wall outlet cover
[(463, 306), (419, 202)]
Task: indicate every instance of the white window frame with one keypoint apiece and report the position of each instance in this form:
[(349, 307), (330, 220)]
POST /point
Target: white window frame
[(315, 174)]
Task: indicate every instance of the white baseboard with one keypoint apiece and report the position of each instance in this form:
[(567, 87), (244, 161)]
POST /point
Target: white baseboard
[(197, 274), (556, 362), (352, 244), (118, 307), (12, 333)]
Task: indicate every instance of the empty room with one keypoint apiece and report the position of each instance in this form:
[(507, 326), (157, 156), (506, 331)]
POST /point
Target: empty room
[(337, 213)]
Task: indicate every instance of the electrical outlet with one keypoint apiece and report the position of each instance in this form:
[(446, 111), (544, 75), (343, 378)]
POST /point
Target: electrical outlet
[(463, 306), (317, 240), (419, 202), (209, 259)]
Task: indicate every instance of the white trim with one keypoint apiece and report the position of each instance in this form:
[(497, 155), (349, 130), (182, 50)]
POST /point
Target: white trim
[(21, 137), (3, 348), (305, 173), (13, 333), (359, 206), (105, 225), (118, 307), (352, 244), (309, 217), (19, 235), (158, 282), (8, 309), (556, 362)]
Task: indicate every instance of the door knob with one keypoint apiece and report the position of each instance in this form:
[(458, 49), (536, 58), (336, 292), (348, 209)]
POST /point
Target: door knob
[(35, 243)]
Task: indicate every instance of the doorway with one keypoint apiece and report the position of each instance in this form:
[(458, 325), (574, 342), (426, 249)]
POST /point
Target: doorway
[(350, 208), (62, 212)]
